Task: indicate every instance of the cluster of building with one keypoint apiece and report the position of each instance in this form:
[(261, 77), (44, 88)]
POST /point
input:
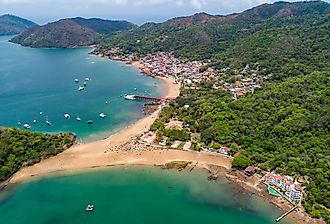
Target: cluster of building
[(167, 65), (285, 186), (242, 87)]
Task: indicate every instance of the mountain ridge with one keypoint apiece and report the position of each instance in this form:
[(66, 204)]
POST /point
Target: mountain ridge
[(11, 24)]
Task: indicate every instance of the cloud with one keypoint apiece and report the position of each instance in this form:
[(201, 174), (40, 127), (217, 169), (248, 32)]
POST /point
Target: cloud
[(198, 4)]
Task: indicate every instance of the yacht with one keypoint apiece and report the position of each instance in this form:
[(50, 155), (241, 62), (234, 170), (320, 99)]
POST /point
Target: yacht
[(67, 116), (130, 97), (76, 80), (90, 208), (26, 126), (81, 88), (102, 115)]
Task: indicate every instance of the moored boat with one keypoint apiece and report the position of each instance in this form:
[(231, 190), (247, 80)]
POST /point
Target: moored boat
[(102, 115), (90, 122), (67, 116), (81, 88), (90, 208), (26, 126), (130, 97), (76, 80)]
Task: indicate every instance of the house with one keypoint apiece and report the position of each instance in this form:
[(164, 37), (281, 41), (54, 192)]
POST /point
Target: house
[(224, 150), (250, 170), (292, 191)]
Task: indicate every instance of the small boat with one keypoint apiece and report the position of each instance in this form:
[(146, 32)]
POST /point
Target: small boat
[(102, 115), (85, 83), (90, 122), (41, 113), (26, 126), (87, 79), (81, 88), (34, 121), (48, 122), (76, 80), (130, 97), (90, 208), (106, 102), (67, 116), (19, 123), (78, 118), (135, 89)]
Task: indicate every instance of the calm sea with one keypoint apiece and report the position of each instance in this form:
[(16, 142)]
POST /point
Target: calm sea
[(139, 195), (42, 80)]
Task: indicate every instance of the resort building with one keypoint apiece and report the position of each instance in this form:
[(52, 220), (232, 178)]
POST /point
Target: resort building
[(250, 170), (284, 185)]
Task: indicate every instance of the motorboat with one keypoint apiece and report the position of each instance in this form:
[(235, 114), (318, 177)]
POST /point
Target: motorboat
[(90, 122), (85, 83), (87, 79), (34, 121), (67, 116), (40, 112), (130, 97), (90, 208), (81, 88), (48, 122), (76, 80), (78, 118), (26, 126), (19, 123), (102, 115)]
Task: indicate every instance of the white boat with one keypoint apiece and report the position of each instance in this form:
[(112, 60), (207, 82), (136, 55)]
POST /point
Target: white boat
[(90, 208), (102, 115), (35, 121), (81, 88), (67, 116), (85, 83), (135, 89), (90, 122), (19, 123), (26, 126), (76, 80), (78, 119), (130, 97), (48, 122), (87, 79), (41, 113)]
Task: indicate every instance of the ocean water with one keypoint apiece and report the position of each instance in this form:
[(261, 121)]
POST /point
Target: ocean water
[(139, 195), (42, 80)]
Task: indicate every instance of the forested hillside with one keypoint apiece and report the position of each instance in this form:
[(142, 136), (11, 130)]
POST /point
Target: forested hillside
[(10, 25), (20, 148)]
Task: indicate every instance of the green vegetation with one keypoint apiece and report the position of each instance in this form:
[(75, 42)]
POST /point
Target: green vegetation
[(241, 162), (23, 148), (10, 25), (68, 33)]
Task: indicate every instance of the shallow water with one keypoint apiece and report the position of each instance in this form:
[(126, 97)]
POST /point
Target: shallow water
[(132, 195), (34, 80)]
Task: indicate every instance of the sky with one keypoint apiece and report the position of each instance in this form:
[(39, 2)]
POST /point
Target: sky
[(136, 11)]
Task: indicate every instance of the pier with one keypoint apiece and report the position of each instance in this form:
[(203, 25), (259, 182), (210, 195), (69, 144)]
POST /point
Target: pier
[(287, 213), (152, 98)]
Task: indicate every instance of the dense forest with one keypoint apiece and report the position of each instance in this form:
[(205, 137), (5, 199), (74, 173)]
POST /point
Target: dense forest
[(23, 148), (10, 24), (285, 125)]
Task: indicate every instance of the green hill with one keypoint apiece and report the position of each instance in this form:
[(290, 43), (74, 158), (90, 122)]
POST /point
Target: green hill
[(68, 33), (10, 25)]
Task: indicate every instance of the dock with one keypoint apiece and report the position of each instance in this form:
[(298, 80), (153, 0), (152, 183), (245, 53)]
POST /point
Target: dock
[(287, 213)]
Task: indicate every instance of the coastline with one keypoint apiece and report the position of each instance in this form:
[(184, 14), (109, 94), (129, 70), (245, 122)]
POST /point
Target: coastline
[(84, 156)]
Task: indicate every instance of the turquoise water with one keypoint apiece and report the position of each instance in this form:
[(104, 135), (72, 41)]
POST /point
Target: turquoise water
[(139, 195), (34, 80)]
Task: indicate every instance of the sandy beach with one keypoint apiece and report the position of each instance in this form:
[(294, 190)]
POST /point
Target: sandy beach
[(95, 154)]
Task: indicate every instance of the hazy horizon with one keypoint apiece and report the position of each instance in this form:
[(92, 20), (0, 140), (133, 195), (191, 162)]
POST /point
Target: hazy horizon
[(138, 11)]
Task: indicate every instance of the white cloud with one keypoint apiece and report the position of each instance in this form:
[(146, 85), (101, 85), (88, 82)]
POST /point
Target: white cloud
[(198, 4)]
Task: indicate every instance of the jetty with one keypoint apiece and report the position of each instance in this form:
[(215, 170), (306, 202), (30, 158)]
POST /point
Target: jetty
[(152, 98), (287, 213)]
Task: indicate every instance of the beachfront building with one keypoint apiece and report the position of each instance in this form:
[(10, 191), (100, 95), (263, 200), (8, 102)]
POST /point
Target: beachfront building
[(250, 170), (285, 185)]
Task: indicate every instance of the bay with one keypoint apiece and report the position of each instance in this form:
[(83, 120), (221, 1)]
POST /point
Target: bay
[(133, 194), (42, 80)]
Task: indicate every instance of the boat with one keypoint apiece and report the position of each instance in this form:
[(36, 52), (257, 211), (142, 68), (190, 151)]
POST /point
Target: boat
[(90, 122), (41, 113), (85, 83), (35, 121), (19, 123), (78, 118), (81, 88), (135, 89), (102, 115), (26, 126), (130, 97), (67, 116), (87, 79), (76, 80), (48, 122), (90, 208)]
